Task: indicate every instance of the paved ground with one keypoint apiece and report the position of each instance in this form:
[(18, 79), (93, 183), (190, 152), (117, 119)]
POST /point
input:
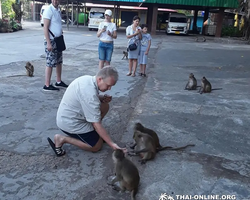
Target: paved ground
[(217, 123)]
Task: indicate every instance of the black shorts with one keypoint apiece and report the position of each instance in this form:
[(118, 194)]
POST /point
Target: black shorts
[(90, 138)]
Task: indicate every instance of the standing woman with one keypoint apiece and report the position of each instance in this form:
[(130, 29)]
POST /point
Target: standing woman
[(106, 33), (133, 33)]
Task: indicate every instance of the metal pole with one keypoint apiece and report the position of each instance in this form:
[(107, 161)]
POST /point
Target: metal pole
[(77, 12), (67, 10), (72, 14), (34, 10), (84, 14)]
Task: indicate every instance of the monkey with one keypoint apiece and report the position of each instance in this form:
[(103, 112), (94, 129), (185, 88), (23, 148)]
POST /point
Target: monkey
[(125, 54), (126, 173), (29, 69), (192, 83), (146, 147), (139, 127), (206, 86)]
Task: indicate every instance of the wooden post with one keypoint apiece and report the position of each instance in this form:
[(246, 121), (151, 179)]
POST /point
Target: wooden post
[(219, 22)]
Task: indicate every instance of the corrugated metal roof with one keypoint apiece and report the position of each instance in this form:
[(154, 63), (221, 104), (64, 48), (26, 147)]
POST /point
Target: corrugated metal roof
[(134, 1), (205, 3)]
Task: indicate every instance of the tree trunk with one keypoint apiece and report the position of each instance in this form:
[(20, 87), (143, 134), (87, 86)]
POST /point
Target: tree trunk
[(0, 9)]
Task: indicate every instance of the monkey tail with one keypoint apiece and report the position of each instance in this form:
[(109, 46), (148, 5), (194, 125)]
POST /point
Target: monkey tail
[(217, 89), (180, 148), (133, 193), (164, 148)]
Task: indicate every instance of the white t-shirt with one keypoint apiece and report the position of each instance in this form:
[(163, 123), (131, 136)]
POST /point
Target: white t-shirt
[(110, 27), (130, 31), (54, 15), (80, 106)]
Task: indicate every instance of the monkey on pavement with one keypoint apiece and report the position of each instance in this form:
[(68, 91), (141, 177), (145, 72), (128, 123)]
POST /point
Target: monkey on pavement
[(192, 82), (153, 134), (125, 55), (146, 147), (206, 86), (29, 69), (126, 173)]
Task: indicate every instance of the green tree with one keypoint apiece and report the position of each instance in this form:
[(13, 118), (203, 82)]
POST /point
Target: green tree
[(7, 10)]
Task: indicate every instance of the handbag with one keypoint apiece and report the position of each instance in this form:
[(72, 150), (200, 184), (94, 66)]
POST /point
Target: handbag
[(132, 47), (60, 44)]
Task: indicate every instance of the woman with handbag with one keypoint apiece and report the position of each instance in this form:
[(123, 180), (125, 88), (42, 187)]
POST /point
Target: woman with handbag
[(133, 33)]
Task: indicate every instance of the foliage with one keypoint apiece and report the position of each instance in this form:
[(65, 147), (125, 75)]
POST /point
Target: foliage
[(7, 10), (9, 25), (186, 12), (231, 31)]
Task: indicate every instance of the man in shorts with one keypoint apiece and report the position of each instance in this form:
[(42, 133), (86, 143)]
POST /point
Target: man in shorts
[(52, 21), (81, 111)]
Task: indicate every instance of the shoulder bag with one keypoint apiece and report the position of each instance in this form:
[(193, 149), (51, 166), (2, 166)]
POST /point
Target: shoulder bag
[(60, 44)]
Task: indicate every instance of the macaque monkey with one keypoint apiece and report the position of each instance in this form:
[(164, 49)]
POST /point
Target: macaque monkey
[(29, 69), (141, 128), (126, 173), (206, 86), (192, 83), (125, 55), (147, 143)]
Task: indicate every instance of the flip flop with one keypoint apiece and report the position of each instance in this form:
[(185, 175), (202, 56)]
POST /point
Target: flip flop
[(133, 75), (58, 150)]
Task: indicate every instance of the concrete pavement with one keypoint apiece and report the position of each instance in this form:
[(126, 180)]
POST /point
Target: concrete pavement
[(217, 123)]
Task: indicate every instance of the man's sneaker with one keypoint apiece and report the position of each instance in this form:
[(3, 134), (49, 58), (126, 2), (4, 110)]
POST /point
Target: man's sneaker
[(61, 84), (50, 88)]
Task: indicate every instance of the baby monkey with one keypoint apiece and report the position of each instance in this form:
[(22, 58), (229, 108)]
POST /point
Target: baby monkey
[(126, 173), (29, 69), (192, 82), (125, 55)]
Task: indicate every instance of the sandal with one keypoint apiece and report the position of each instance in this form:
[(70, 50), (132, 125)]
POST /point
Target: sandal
[(133, 75), (58, 150), (128, 74), (141, 74), (144, 75)]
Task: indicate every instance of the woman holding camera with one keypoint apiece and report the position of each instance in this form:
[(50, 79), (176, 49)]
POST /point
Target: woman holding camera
[(106, 33), (133, 33)]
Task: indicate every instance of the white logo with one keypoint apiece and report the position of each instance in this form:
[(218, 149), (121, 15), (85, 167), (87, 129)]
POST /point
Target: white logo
[(164, 196)]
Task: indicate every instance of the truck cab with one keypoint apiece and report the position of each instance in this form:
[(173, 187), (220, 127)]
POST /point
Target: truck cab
[(177, 24), (96, 16)]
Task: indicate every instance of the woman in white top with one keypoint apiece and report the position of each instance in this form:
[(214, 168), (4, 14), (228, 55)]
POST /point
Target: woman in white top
[(133, 33), (106, 33)]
